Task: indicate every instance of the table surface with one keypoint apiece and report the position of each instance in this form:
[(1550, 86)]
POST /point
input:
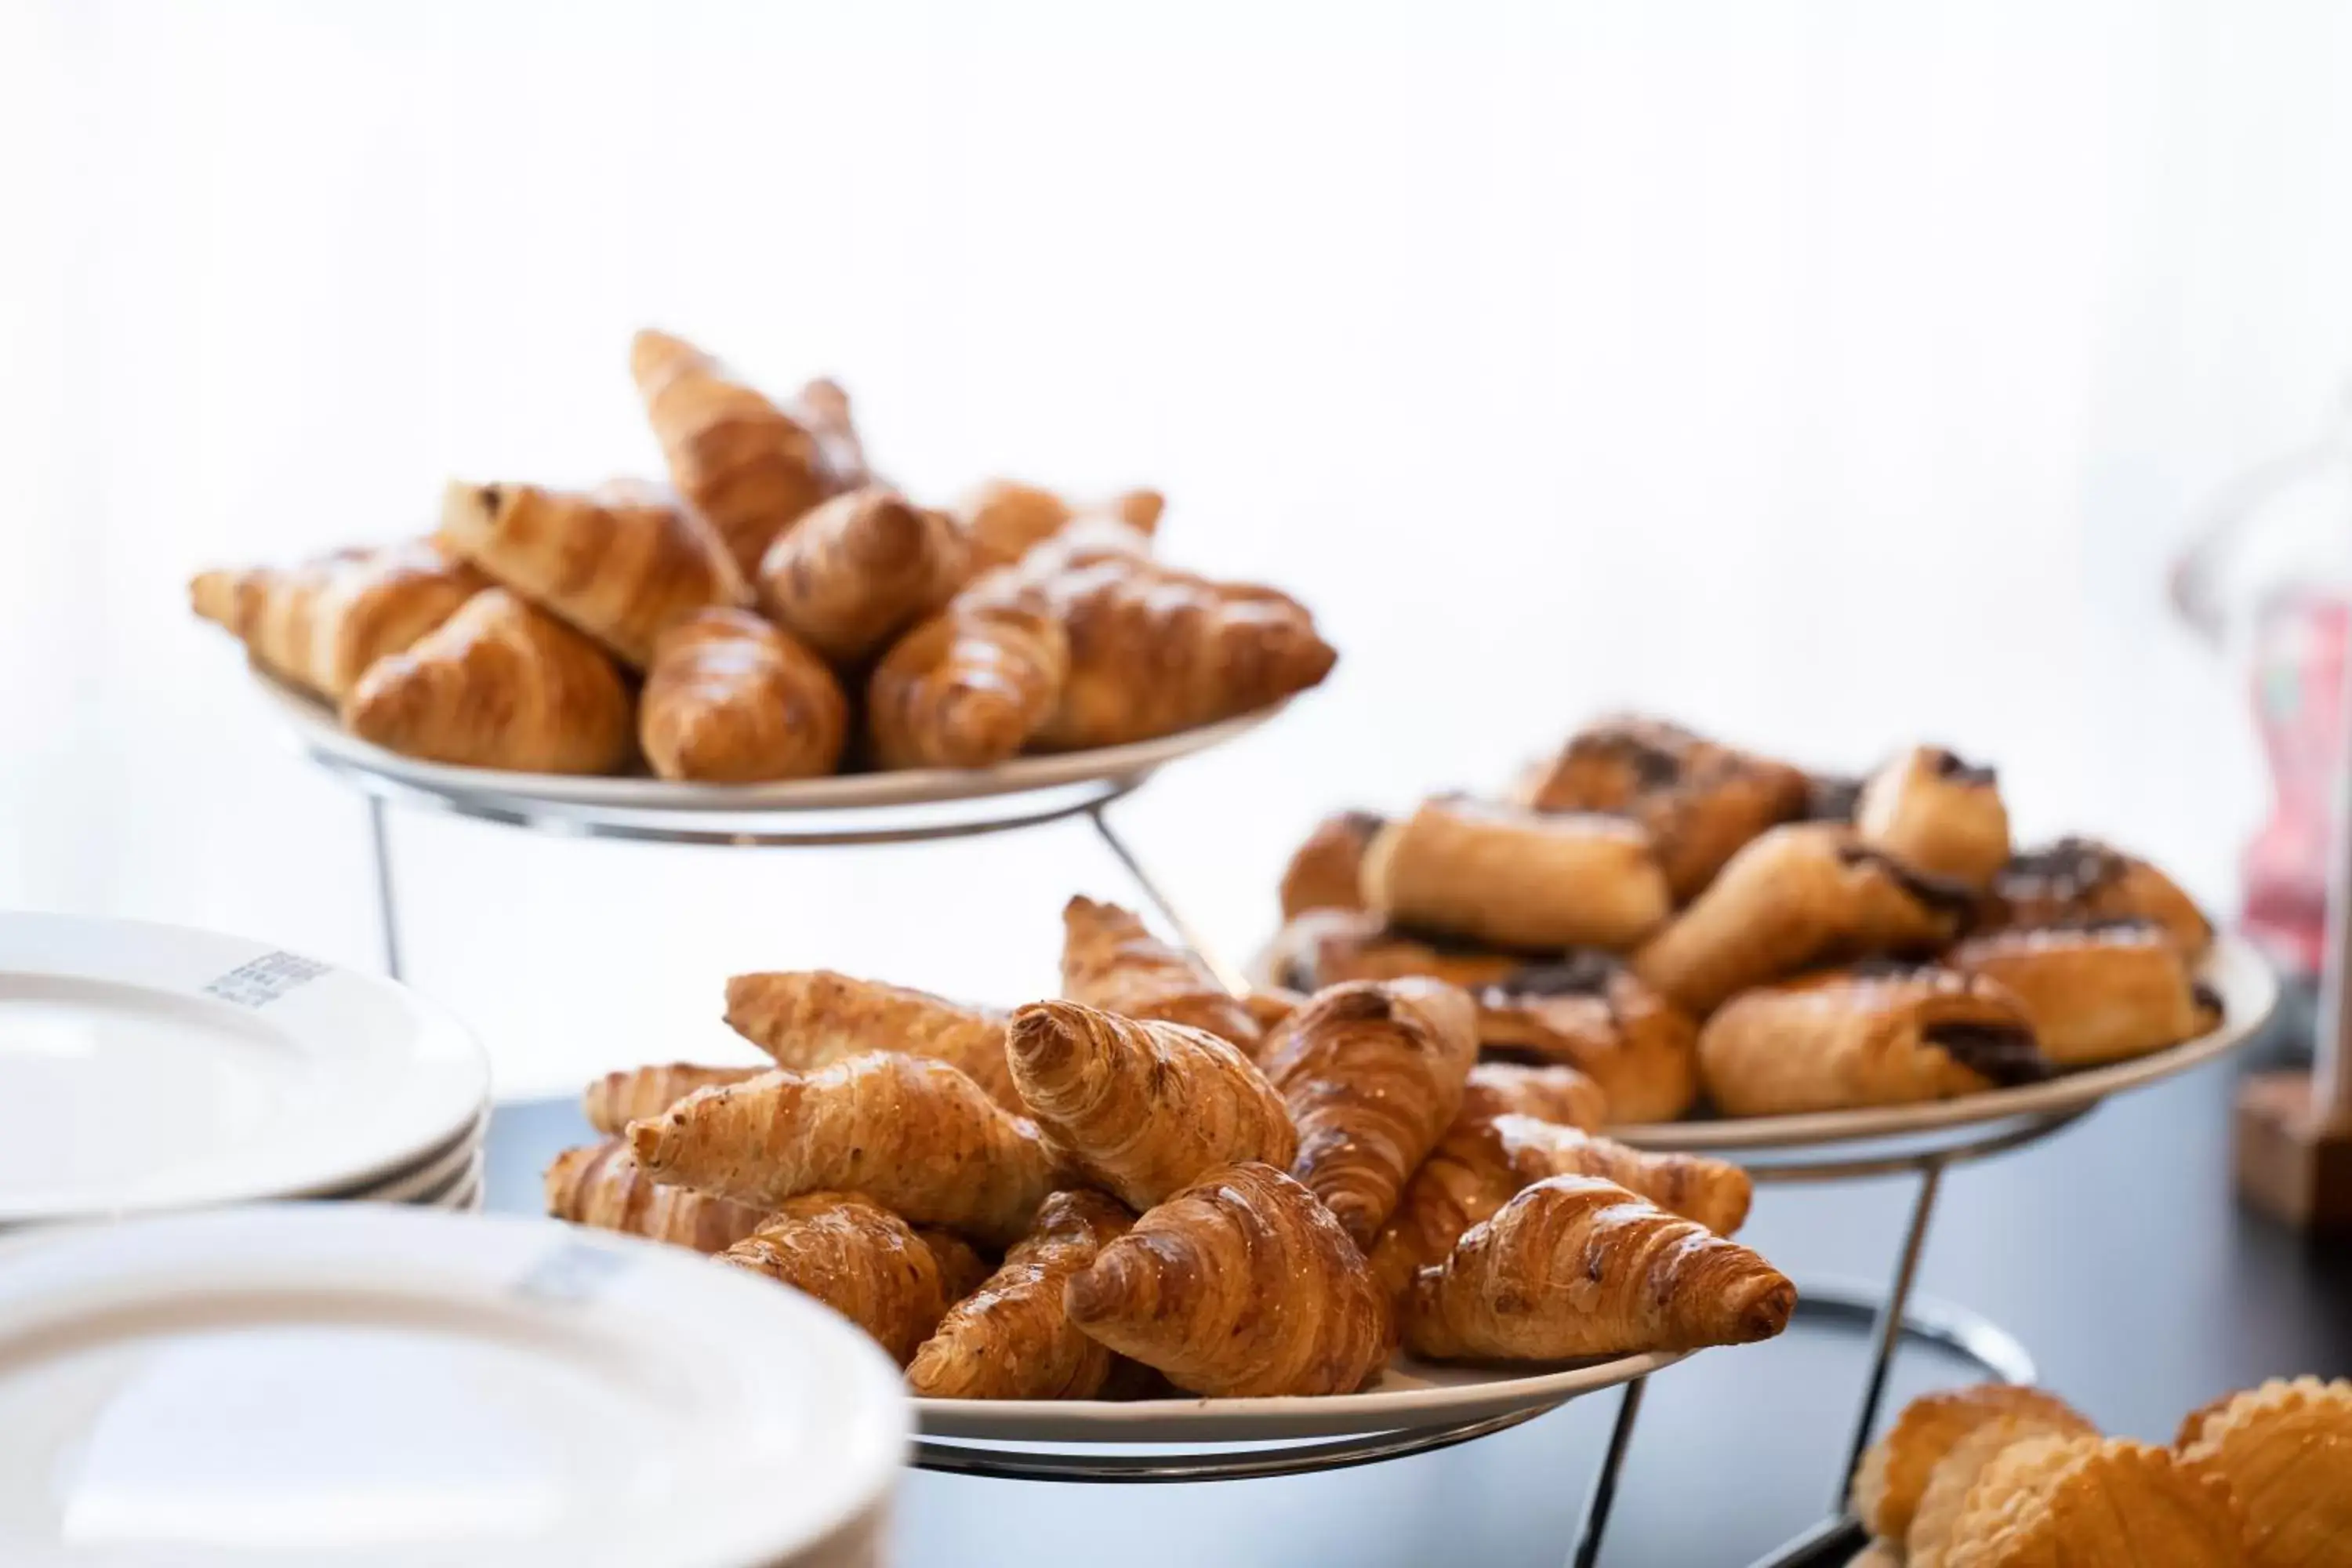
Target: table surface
[(2115, 1250)]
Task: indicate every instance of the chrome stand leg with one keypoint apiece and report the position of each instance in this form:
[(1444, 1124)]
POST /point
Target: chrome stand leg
[(387, 914), (1604, 1485), (1886, 1330), (1227, 975)]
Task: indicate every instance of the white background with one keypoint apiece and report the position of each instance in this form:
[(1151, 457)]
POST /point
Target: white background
[(1830, 374)]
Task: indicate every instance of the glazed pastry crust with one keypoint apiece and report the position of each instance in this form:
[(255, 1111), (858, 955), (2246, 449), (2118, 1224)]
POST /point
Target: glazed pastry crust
[(1372, 1072), (1594, 1014), (913, 1134), (1895, 1470), (1111, 962), (634, 1094), (1144, 1106), (498, 685), (1326, 947), (858, 1258), (1576, 1266), (2066, 1499), (2080, 881), (810, 1018), (1930, 810), (2286, 1449), (731, 700), (603, 1186), (1240, 1285), (2095, 995), (1549, 1093), (321, 624), (1846, 1038), (963, 1267), (1514, 879), (858, 570), (1011, 1338), (1326, 872), (748, 467), (967, 688)]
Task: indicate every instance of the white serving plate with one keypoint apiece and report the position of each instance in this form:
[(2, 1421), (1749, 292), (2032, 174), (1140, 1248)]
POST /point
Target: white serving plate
[(316, 729), (145, 1067), (358, 1386), (2248, 990), (437, 1174)]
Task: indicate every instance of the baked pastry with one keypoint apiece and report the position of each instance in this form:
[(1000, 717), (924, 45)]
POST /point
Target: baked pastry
[(1575, 1266), (2078, 880), (913, 1134), (1832, 797), (1372, 1072), (1699, 801), (822, 408), (2286, 1450), (857, 1257), (500, 684), (1270, 1005), (1936, 814), (1005, 519), (1879, 1034), (632, 1094), (2095, 994), (967, 688), (731, 700), (1110, 962), (860, 569), (1143, 1107), (1013, 1339), (746, 465), (603, 1186), (1945, 1496), (1511, 878), (1592, 1013), (1325, 947), (1326, 872), (809, 1018), (963, 1267), (623, 563), (1549, 1093), (2066, 1499), (1894, 1472), (1240, 1285), (321, 624), (1802, 894)]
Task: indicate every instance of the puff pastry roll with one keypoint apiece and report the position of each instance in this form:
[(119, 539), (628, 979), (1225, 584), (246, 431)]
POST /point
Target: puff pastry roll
[(1575, 1266), (1143, 1107), (2077, 881), (1934, 812), (1698, 800), (498, 685), (1005, 519), (2067, 1500), (731, 700), (1549, 1093), (1324, 947), (1865, 1036), (2286, 1450), (2097, 993), (1803, 894), (1326, 872), (1110, 962), (1592, 1013), (632, 1094), (860, 569), (1510, 878), (321, 624), (967, 688), (1895, 1470), (1240, 1285), (857, 1257), (604, 1185), (1011, 1338), (810, 1018)]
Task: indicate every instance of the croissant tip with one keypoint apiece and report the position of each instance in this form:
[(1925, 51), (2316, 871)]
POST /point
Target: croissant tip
[(1768, 1313), (645, 1139)]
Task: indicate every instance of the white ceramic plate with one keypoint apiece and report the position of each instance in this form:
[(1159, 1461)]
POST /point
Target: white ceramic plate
[(347, 1384), (315, 727), (146, 1067), (437, 1174), (2248, 990), (1410, 1396)]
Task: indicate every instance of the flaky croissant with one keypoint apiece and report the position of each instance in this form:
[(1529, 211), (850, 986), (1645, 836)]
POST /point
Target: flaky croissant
[(1005, 519), (1932, 811), (2286, 1450), (809, 1018), (1516, 878), (963, 1267), (602, 1185), (321, 624), (1144, 1108), (860, 569), (967, 688), (857, 1257), (1240, 1285), (1894, 1472), (1013, 1339), (913, 1134), (1372, 1072), (1592, 1013), (1575, 1266), (635, 1094), (1110, 961), (498, 685), (731, 700), (1549, 1093)]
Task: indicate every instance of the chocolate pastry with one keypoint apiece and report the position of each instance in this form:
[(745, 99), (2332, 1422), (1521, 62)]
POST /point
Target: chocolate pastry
[(1591, 1012), (1325, 873), (1934, 812), (1831, 797), (2079, 880), (1516, 878), (2097, 993), (1325, 947)]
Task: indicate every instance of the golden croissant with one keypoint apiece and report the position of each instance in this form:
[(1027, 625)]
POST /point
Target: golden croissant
[(2286, 1450), (636, 1094), (967, 688), (604, 1185), (1549, 1093), (1144, 1108), (1238, 1286), (1011, 1338), (858, 570), (321, 624), (498, 685), (913, 1134), (1005, 519), (1110, 962), (811, 1018), (857, 1257), (731, 700), (963, 1267), (1576, 1266)]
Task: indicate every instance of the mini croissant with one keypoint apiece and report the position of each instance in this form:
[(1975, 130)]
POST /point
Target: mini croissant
[(811, 1018), (637, 1094), (967, 688), (604, 1185), (1109, 961), (321, 624), (731, 700), (1013, 1339), (860, 569), (861, 1261), (1558, 1094)]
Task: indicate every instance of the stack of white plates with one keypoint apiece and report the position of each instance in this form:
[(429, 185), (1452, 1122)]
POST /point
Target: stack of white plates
[(346, 1386), (146, 1067)]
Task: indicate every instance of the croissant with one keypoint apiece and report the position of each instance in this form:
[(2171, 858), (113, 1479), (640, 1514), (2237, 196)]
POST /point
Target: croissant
[(1241, 1285), (1575, 1266), (321, 624), (637, 1094), (1323, 947), (1372, 1072), (1895, 1470), (1004, 518), (1866, 1037), (806, 1019), (740, 461), (860, 569), (1930, 810), (963, 1267), (2077, 881), (2286, 1450), (1144, 1106), (623, 563), (1326, 872), (2095, 994), (2067, 1500), (1944, 1498), (498, 685), (1513, 879), (822, 408), (863, 1261), (1270, 1005), (969, 687), (1802, 894), (731, 700), (1110, 962), (1013, 1339), (1592, 1013), (912, 1134), (604, 1185), (1552, 1093)]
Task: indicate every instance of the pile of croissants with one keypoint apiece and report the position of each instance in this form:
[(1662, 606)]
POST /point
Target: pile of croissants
[(780, 615), (2000, 1474), (1150, 1184), (1685, 921)]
